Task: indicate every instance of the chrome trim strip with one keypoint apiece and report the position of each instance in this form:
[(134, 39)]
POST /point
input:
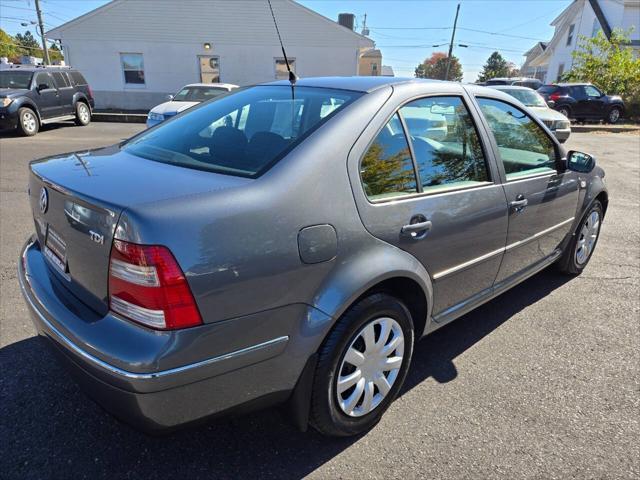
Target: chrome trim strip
[(134, 375), (537, 235), (464, 265), (489, 255)]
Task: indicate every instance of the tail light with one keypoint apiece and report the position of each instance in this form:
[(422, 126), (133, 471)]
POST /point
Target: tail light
[(554, 96), (147, 285)]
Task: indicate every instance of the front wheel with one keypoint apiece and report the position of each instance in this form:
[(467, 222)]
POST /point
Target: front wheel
[(579, 251), (614, 115), (28, 123), (83, 114), (362, 366)]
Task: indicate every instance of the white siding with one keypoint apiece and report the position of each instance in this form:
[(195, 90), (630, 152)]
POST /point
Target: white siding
[(171, 34)]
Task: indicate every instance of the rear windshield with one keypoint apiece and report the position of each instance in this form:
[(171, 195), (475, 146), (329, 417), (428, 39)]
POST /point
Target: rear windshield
[(243, 133), (9, 79), (198, 94), (544, 89)]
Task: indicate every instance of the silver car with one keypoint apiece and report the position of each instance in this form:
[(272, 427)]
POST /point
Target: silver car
[(188, 96), (554, 120), (292, 243)]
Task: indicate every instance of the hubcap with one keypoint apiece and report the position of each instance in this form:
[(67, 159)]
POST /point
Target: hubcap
[(588, 237), (29, 122), (84, 113), (614, 115), (370, 367), (564, 112)]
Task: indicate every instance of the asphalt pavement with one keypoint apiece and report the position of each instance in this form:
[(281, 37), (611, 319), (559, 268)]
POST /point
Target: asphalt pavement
[(542, 382)]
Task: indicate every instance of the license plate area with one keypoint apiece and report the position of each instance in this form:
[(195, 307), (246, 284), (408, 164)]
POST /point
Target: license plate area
[(55, 250)]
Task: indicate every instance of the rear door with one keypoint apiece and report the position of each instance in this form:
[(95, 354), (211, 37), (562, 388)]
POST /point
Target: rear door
[(542, 202), (581, 105), (47, 96), (432, 192), (65, 91)]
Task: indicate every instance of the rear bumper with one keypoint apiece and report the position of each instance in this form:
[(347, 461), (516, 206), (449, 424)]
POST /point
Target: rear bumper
[(162, 380)]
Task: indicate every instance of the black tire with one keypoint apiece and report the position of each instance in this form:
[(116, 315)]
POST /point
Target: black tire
[(28, 122), (83, 114), (568, 262), (614, 115), (326, 415), (564, 110)]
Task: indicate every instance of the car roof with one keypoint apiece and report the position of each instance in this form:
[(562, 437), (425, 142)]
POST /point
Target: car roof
[(213, 85), (575, 84), (36, 68), (358, 84)]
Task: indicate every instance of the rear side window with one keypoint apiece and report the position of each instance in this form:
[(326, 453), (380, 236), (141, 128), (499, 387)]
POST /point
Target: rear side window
[(548, 89), (60, 80), (387, 169), (77, 78), (243, 133), (524, 147), (445, 143)]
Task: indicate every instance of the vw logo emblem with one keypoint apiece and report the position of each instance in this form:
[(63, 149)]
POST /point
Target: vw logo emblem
[(44, 200)]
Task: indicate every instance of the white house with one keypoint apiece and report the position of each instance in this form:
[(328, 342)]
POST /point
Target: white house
[(583, 17), (135, 52), (531, 71)]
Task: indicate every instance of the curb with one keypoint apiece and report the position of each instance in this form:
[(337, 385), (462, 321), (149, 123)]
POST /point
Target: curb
[(119, 117), (605, 128)]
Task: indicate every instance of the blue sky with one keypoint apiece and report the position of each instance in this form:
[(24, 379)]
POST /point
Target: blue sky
[(404, 30)]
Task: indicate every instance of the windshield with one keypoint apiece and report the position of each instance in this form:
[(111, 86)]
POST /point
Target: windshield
[(528, 97), (244, 133), (198, 94), (13, 79)]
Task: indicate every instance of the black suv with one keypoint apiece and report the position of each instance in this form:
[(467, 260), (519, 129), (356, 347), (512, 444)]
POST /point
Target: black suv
[(583, 101), (31, 96)]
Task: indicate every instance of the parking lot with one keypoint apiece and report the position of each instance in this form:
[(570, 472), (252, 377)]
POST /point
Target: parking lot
[(542, 382)]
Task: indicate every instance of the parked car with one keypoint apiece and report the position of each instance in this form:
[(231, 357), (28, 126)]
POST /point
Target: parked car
[(187, 97), (32, 96), (532, 83), (583, 101), (251, 267), (555, 121)]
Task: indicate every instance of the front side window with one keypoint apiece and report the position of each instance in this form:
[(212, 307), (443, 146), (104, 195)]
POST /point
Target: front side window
[(525, 149), (281, 68), (44, 81), (243, 133), (592, 91), (445, 143), (132, 68), (387, 169)]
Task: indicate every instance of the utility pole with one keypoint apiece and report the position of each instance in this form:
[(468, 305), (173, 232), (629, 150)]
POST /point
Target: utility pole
[(453, 36), (44, 40)]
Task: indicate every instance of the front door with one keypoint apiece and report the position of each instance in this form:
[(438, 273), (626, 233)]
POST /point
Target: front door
[(430, 191), (595, 101), (209, 69), (542, 202), (47, 96)]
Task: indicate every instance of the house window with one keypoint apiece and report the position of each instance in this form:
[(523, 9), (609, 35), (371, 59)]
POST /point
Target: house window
[(281, 68), (560, 72), (132, 68), (374, 69), (570, 34), (595, 28)]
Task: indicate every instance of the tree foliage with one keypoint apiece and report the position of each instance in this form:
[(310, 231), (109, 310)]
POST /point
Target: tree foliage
[(7, 49), (496, 66), (436, 67)]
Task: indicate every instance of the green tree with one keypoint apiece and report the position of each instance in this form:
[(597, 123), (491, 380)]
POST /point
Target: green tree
[(7, 47), (496, 66), (28, 44), (436, 67)]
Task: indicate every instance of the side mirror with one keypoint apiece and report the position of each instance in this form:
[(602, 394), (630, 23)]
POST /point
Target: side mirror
[(551, 103), (169, 97), (580, 162), (42, 86)]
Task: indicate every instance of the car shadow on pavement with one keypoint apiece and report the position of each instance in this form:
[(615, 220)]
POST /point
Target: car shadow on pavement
[(49, 428)]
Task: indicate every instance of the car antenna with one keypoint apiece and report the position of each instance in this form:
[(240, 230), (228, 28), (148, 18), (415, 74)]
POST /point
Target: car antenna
[(293, 78)]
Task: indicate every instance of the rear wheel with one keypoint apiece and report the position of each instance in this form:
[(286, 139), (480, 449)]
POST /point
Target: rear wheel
[(28, 122), (579, 251), (83, 114), (565, 111), (614, 115), (362, 366)]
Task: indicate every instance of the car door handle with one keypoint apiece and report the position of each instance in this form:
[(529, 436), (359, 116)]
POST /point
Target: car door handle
[(416, 230), (519, 203)]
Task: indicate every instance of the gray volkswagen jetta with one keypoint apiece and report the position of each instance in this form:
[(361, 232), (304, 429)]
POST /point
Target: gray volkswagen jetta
[(290, 244)]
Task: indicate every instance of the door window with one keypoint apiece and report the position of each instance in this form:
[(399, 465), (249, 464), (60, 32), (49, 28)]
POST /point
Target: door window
[(60, 80), (445, 143), (577, 93), (592, 91), (44, 79), (387, 169), (524, 147)]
